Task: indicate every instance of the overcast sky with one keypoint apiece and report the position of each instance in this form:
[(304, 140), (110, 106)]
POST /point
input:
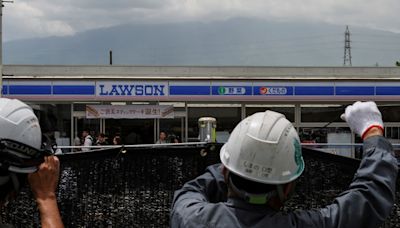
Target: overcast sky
[(40, 18)]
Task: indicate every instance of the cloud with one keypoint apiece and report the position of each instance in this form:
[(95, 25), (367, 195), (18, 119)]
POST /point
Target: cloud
[(26, 20), (38, 18)]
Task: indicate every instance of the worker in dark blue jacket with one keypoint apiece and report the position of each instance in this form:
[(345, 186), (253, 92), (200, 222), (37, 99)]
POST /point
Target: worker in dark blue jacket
[(260, 163)]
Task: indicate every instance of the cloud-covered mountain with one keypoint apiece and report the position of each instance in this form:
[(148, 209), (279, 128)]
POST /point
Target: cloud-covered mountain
[(246, 42)]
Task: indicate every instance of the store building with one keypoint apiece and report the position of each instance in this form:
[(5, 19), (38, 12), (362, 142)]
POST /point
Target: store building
[(137, 102)]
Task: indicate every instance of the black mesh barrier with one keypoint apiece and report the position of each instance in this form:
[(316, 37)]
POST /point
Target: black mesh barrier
[(110, 188)]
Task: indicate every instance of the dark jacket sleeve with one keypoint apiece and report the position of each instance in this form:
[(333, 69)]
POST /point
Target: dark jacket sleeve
[(367, 202), (207, 188), (371, 195)]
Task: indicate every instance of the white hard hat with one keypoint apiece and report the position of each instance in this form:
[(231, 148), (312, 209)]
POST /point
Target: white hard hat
[(20, 144), (264, 148), (19, 123), (20, 137)]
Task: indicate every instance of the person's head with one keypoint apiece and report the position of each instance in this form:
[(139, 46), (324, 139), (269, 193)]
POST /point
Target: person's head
[(163, 135), (117, 140), (262, 159), (101, 137), (85, 133), (20, 146), (176, 140)]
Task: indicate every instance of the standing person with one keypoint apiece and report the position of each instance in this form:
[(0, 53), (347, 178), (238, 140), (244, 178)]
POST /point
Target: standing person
[(101, 140), (21, 158), (77, 142), (87, 140), (162, 138), (176, 139), (260, 163), (117, 140)]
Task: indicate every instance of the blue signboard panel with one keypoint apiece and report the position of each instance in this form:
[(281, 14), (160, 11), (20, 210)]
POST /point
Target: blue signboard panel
[(5, 90), (73, 90), (388, 90), (29, 89), (227, 90), (355, 90), (314, 90), (189, 90), (273, 90), (206, 89)]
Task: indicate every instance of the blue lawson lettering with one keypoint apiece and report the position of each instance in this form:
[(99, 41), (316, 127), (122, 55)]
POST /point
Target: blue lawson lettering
[(132, 90)]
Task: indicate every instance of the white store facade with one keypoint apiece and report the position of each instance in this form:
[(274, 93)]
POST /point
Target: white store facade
[(137, 102)]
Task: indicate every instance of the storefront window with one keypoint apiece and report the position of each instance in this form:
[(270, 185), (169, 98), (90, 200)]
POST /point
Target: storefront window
[(330, 135), (325, 135), (55, 121), (288, 111), (390, 113), (321, 113), (175, 128), (131, 131)]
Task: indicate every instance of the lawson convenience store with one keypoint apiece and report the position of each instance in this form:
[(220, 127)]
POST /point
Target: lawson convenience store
[(138, 102)]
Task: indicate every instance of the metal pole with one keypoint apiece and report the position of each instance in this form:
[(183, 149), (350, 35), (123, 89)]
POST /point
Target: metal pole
[(1, 48), (1, 44)]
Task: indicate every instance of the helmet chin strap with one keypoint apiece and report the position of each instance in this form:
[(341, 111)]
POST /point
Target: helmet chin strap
[(15, 181), (281, 194), (16, 185), (4, 179), (262, 198), (275, 198)]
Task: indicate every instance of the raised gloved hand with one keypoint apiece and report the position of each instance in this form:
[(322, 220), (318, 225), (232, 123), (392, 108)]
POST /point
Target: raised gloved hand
[(362, 116)]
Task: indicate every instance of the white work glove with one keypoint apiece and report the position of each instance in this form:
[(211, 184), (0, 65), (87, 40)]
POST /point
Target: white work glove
[(362, 116)]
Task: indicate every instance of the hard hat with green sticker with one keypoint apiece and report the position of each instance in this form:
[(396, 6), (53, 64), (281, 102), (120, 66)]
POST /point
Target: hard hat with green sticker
[(270, 143)]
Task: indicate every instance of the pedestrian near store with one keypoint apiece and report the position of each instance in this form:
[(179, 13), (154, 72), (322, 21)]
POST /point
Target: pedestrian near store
[(117, 140), (87, 140), (162, 139), (77, 142), (101, 140), (260, 164), (22, 158)]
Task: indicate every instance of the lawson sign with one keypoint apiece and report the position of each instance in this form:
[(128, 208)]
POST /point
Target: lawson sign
[(132, 88)]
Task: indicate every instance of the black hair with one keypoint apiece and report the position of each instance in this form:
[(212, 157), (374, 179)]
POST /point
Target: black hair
[(117, 139), (250, 186), (87, 130)]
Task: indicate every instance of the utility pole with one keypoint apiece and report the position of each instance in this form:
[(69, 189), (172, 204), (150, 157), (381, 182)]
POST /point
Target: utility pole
[(1, 44), (1, 48), (110, 57), (347, 48)]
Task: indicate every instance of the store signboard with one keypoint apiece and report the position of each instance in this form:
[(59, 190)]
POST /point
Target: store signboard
[(130, 111), (131, 88), (193, 88), (387, 90), (196, 90), (231, 90), (273, 90)]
